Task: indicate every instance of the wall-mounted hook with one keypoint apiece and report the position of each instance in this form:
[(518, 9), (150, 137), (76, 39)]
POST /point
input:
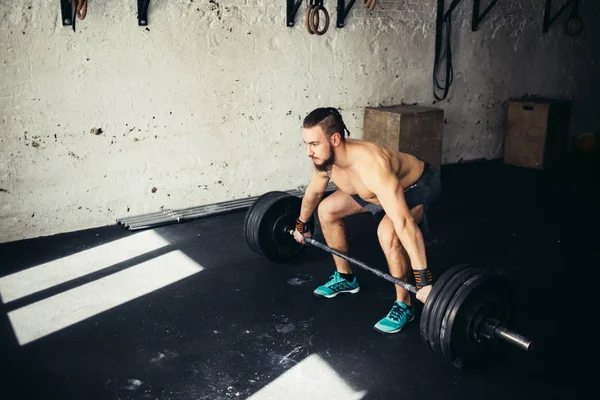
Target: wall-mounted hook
[(143, 12), (342, 12), (292, 10), (477, 17), (574, 24), (72, 10), (66, 12)]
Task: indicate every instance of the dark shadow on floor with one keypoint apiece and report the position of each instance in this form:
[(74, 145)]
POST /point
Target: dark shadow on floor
[(230, 330)]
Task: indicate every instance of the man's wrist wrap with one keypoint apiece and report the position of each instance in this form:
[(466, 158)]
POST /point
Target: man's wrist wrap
[(303, 227), (423, 277)]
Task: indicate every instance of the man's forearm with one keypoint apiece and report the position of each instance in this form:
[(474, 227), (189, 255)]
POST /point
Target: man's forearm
[(411, 238), (310, 201)]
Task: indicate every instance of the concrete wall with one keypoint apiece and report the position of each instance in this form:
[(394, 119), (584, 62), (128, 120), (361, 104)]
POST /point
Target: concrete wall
[(206, 103)]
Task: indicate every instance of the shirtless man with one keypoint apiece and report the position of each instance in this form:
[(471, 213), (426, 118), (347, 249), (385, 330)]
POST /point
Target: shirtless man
[(375, 179)]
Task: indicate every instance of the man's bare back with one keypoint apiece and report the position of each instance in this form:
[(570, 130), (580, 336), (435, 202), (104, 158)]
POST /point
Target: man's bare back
[(406, 167)]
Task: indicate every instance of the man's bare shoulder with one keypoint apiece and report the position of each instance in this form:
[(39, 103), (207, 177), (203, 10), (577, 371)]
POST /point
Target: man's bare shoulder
[(372, 155)]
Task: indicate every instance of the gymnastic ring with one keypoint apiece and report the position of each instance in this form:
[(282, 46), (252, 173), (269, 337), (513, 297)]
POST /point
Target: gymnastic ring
[(369, 4), (309, 10), (574, 26), (80, 8), (315, 16)]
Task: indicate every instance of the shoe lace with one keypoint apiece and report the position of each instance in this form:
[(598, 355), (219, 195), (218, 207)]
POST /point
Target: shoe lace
[(336, 277), (397, 312)]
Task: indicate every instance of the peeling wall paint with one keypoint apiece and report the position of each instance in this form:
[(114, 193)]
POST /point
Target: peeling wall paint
[(205, 103)]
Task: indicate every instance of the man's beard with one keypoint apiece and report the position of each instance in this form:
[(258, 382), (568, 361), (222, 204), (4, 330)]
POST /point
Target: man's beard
[(326, 166)]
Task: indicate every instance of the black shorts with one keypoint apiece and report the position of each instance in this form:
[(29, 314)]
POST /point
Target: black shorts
[(426, 190)]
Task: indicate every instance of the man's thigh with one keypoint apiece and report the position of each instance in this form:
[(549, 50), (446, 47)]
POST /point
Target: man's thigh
[(339, 205)]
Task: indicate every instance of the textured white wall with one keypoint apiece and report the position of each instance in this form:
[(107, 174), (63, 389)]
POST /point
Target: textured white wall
[(510, 57), (206, 103)]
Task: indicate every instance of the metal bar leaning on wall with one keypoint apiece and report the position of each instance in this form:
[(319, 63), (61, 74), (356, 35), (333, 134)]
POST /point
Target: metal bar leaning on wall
[(170, 216)]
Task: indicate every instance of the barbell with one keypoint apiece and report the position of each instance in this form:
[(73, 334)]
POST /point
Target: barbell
[(465, 314)]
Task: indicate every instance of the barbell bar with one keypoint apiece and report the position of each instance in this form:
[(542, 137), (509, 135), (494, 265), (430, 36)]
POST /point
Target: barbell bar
[(465, 314), (496, 331), (361, 264)]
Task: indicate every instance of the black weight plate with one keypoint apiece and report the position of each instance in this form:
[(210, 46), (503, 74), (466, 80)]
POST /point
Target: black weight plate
[(256, 221), (453, 302), (438, 285), (482, 296), (440, 307), (247, 231), (250, 225), (265, 223), (432, 298), (276, 244), (252, 219), (255, 215)]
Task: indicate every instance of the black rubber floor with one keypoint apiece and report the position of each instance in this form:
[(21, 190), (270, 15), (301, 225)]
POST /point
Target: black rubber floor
[(243, 327)]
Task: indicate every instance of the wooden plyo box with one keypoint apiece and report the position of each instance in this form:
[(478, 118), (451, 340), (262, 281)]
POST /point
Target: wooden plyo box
[(537, 132), (416, 130)]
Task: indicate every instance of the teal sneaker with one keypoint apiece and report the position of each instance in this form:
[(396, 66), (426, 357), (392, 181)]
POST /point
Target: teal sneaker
[(399, 315), (337, 285)]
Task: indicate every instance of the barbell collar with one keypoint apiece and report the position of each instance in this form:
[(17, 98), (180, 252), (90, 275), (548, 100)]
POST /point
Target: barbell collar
[(508, 336)]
